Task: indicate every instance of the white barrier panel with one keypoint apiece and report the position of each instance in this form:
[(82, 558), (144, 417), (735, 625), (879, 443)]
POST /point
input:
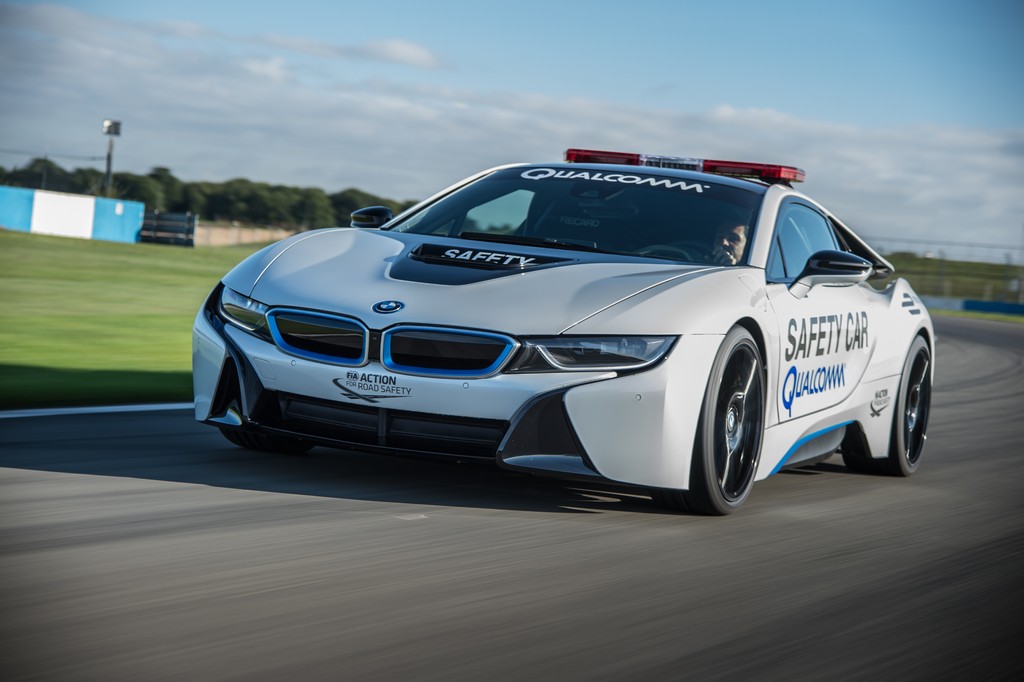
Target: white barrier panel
[(66, 215), (70, 215)]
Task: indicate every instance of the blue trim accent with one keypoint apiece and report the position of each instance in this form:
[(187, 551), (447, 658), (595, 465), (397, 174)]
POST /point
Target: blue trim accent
[(318, 357), (510, 347), (802, 441)]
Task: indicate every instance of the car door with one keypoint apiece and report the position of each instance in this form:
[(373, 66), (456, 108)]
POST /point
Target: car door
[(827, 336)]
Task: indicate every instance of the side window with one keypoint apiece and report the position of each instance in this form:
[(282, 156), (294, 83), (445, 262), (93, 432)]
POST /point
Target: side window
[(800, 232), (503, 215), (776, 271)]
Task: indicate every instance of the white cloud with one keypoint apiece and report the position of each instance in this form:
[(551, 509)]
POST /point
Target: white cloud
[(185, 29), (273, 68), (399, 52), (392, 51), (223, 107)]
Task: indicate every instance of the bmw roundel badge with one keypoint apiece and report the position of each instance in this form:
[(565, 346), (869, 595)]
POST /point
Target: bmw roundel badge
[(388, 306)]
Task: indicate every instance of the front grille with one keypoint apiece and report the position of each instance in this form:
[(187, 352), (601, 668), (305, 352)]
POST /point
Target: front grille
[(437, 351), (318, 336), (408, 349), (390, 429)]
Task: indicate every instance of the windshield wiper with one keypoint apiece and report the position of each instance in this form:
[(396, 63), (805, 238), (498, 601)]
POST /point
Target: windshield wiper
[(534, 241)]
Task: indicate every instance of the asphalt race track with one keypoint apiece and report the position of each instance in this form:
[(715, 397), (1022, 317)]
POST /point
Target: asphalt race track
[(142, 546)]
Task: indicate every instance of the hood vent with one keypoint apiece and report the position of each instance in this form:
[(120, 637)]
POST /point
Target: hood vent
[(496, 258)]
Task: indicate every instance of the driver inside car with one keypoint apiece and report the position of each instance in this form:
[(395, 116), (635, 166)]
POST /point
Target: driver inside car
[(729, 243)]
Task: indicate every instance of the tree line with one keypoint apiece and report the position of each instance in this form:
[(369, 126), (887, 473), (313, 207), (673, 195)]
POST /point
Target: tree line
[(238, 200)]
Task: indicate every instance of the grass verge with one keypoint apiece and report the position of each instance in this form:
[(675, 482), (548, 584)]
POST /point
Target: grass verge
[(36, 387), (89, 322), (996, 317)]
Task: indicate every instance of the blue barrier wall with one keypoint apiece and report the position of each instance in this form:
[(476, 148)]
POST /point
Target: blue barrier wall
[(995, 307), (70, 215), (944, 303), (117, 221), (16, 208)]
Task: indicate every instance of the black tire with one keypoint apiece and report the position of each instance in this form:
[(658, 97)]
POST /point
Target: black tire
[(265, 443), (909, 420), (730, 431), (913, 407)]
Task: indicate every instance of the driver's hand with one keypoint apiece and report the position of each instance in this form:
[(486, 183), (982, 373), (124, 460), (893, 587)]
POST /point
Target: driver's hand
[(721, 255)]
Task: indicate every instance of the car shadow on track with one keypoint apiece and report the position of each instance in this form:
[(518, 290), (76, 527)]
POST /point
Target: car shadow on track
[(170, 446)]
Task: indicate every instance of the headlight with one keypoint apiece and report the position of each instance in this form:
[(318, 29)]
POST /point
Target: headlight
[(591, 353), (242, 311)]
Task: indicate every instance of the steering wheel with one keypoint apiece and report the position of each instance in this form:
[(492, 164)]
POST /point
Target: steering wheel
[(688, 251)]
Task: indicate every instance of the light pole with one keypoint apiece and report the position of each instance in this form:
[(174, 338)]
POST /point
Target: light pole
[(112, 129)]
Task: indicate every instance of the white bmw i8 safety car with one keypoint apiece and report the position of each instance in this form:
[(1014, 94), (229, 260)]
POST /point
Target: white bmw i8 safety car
[(689, 326)]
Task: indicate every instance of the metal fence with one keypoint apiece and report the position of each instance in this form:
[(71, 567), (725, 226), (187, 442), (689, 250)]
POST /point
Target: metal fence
[(950, 250), (961, 279), (178, 229), (957, 270)]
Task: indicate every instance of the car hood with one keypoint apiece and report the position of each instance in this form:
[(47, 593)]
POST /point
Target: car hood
[(479, 284)]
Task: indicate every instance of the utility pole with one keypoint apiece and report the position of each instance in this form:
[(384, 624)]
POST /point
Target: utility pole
[(111, 129)]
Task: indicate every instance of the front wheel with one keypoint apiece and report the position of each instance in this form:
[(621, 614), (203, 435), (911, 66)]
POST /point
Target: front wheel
[(729, 432)]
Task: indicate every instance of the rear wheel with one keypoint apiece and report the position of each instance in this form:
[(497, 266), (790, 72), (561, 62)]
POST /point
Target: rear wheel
[(729, 432), (265, 443), (910, 419), (913, 406)]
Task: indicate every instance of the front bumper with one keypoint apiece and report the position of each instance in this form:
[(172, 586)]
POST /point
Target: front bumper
[(636, 428)]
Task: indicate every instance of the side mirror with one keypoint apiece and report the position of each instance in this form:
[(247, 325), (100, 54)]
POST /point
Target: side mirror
[(371, 217), (831, 268)]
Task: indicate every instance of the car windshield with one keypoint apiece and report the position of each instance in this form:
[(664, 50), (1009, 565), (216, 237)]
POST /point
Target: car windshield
[(639, 214)]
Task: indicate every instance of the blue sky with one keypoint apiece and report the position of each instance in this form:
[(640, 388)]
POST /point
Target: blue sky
[(907, 115)]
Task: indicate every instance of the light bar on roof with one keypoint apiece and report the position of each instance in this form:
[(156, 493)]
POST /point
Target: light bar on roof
[(762, 171), (738, 169), (594, 156)]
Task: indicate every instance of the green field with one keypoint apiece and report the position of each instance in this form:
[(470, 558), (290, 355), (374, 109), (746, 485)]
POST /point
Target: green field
[(89, 323), (960, 279)]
